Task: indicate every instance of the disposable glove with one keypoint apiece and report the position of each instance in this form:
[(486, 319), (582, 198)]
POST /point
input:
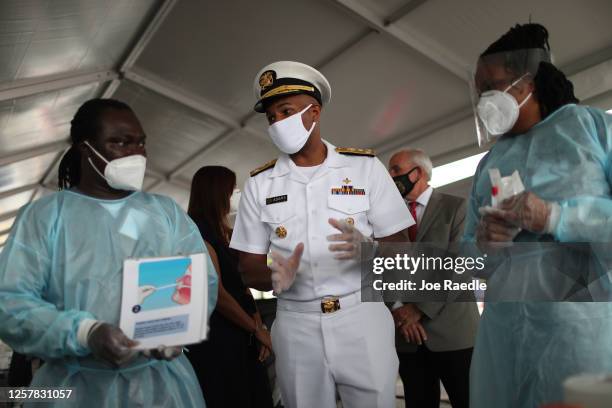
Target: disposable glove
[(529, 212), (109, 343), (285, 269), (163, 353), (352, 239)]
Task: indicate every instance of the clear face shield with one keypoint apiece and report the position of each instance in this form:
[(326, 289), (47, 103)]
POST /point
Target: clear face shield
[(495, 109)]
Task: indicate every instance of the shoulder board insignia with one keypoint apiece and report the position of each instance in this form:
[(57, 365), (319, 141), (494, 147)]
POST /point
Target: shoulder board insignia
[(353, 151), (263, 168)]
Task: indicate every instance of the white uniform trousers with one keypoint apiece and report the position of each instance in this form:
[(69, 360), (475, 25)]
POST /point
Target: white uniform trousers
[(351, 350)]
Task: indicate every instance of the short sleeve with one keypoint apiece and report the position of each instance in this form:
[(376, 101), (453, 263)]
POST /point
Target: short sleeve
[(388, 211), (250, 233)]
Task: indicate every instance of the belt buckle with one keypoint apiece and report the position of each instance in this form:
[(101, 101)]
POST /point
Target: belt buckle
[(330, 304)]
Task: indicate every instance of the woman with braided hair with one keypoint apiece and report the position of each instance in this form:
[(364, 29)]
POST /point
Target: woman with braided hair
[(527, 110)]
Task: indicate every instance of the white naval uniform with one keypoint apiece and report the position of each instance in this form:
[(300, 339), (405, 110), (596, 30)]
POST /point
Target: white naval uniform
[(353, 348)]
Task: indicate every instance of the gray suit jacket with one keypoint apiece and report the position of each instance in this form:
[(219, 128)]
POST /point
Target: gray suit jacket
[(450, 326)]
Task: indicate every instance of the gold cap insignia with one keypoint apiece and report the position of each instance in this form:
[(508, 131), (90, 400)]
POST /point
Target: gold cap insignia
[(267, 79), (350, 221), (281, 232), (346, 181)]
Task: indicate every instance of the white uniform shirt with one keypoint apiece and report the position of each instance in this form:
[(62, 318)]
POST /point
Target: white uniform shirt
[(282, 198)]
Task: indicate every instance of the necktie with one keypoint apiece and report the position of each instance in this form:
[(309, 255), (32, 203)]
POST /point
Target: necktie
[(412, 231)]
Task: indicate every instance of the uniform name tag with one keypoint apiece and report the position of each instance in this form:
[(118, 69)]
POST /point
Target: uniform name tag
[(277, 199)]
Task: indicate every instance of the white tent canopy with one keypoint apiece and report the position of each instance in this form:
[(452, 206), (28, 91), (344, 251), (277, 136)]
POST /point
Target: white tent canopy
[(398, 70)]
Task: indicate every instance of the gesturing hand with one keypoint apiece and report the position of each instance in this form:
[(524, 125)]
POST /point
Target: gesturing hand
[(351, 237), (284, 269)]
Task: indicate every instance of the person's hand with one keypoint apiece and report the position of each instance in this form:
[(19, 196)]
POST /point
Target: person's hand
[(406, 315), (163, 352), (145, 291), (285, 269), (351, 237), (414, 333), (529, 212), (110, 344), (265, 342), (493, 227)]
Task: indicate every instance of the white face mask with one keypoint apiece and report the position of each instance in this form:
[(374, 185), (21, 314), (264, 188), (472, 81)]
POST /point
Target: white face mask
[(234, 201), (125, 173), (498, 110), (289, 134)]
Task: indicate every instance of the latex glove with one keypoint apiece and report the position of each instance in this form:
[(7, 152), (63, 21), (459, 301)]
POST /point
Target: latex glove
[(493, 227), (406, 315), (109, 343), (529, 212), (414, 333), (352, 238), (144, 292), (285, 269), (163, 353)]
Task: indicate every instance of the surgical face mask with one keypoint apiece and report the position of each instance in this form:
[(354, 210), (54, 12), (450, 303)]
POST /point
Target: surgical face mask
[(403, 182), (234, 201), (289, 134), (125, 173), (498, 110)]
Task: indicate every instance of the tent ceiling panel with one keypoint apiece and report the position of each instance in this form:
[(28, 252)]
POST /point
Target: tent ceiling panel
[(234, 39), (180, 195), (467, 27), (374, 100), (42, 192), (241, 152), (14, 202), (437, 143), (383, 8), (174, 131), (459, 188), (6, 224), (148, 182), (25, 172), (39, 37), (40, 119)]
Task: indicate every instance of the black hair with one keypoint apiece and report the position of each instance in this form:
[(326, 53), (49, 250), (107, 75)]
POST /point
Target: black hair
[(85, 125), (552, 87)]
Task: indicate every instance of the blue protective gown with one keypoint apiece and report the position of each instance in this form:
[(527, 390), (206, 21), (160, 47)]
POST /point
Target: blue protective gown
[(525, 350), (63, 263)]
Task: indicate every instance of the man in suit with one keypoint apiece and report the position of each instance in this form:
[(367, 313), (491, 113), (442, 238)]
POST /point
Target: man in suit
[(434, 340)]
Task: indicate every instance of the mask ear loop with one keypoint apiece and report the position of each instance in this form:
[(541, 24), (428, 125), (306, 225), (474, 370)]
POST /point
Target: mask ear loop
[(520, 105), (313, 123), (91, 162), (516, 82)]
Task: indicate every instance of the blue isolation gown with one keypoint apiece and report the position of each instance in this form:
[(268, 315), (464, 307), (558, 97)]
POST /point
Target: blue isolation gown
[(525, 350), (63, 263)]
